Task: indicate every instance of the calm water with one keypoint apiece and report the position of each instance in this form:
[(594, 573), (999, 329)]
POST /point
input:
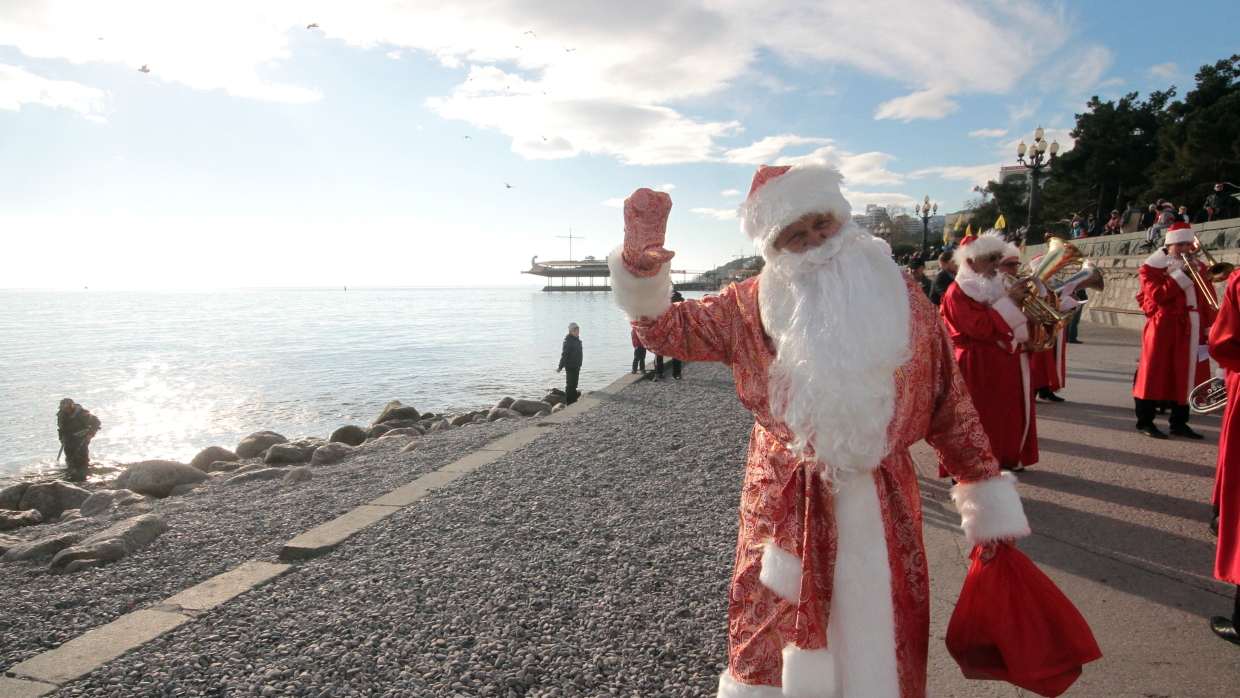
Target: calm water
[(172, 372)]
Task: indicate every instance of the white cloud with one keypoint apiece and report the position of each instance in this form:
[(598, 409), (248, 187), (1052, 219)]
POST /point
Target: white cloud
[(764, 151), (1165, 70), (865, 168), (973, 174), (730, 192), (719, 214), (925, 104), (614, 202), (665, 187), (18, 87), (989, 133), (858, 200)]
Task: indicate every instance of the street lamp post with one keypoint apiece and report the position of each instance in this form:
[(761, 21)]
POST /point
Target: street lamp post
[(925, 210), (1036, 157)]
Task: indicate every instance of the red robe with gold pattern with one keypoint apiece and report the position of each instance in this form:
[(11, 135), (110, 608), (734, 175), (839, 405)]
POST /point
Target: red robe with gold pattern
[(1225, 348), (785, 503)]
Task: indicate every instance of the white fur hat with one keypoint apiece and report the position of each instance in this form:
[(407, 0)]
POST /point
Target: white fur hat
[(984, 245), (1179, 232), (779, 196)]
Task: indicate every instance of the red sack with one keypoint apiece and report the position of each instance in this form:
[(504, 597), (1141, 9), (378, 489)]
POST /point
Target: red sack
[(1013, 624)]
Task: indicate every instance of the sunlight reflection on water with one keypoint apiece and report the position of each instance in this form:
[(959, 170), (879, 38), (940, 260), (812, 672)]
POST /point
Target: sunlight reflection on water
[(170, 373)]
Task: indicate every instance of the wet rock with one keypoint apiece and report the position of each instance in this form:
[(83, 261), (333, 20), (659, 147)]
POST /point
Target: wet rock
[(52, 498), (42, 547), (257, 475), (254, 444), (10, 519), (400, 423), (11, 496), (69, 515), (462, 419), (212, 454), (505, 403), (7, 543), (544, 413), (223, 466), (111, 544), (558, 407), (553, 399), (330, 453), (288, 453), (501, 413), (407, 432), (378, 430), (157, 477), (397, 410), (298, 474), (183, 489), (109, 501), (349, 434), (529, 408), (411, 446)]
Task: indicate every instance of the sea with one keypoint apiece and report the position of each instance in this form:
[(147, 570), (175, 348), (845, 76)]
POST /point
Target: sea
[(171, 372)]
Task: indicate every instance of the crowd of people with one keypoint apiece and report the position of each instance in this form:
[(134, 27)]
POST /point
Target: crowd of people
[(1155, 220)]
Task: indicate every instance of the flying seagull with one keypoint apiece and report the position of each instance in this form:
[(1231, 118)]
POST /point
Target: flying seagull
[(144, 69), (467, 137), (531, 34), (509, 185), (567, 49), (312, 26), (542, 136)]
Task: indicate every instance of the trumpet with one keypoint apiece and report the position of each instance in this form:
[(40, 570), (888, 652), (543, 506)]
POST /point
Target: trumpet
[(1210, 396), (1215, 271)]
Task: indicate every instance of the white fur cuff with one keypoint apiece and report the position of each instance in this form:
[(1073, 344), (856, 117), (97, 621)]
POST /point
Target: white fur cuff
[(1181, 278), (1011, 313), (731, 688), (781, 572), (990, 509), (808, 673), (640, 296)]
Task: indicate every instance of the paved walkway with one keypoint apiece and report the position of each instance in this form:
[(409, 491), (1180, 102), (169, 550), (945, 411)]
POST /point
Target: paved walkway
[(1120, 523)]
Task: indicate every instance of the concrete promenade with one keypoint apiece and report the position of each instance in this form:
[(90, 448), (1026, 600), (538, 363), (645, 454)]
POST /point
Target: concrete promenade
[(590, 557)]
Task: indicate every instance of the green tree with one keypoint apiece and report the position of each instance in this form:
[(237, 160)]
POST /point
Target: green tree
[(1200, 143), (1009, 199)]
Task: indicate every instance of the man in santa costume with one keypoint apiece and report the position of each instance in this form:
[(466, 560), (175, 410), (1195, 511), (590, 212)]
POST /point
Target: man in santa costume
[(988, 330), (1225, 348), (1174, 358), (842, 361)]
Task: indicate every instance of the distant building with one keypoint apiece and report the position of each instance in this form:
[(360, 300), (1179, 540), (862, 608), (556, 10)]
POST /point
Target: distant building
[(873, 217), (1020, 174)]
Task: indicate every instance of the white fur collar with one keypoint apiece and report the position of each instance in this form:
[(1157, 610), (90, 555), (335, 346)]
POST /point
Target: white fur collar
[(969, 281), (1159, 260)]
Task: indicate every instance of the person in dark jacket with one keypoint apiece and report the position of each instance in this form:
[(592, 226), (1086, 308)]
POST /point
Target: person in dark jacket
[(570, 361), (1218, 204), (676, 365), (917, 270), (945, 277), (76, 426), (639, 353)]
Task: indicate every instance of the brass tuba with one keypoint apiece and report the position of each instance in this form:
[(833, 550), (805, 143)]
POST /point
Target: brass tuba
[(1047, 320), (1215, 271), (1089, 277), (1210, 396)]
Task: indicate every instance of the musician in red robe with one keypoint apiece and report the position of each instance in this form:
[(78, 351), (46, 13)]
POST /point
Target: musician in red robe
[(1173, 344), (844, 365), (1225, 348), (988, 330), (1048, 369)]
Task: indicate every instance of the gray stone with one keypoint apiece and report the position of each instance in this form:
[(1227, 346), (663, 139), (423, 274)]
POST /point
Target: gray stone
[(42, 547), (223, 587), (411, 446), (21, 688), (462, 419), (249, 468), (529, 408), (397, 410), (553, 399), (558, 407), (114, 543), (52, 498), (350, 434), (505, 403), (257, 475), (441, 425), (223, 466), (183, 489), (480, 418), (212, 454), (10, 519), (254, 444), (157, 477), (7, 543), (69, 515), (407, 432), (11, 496), (328, 536), (330, 453), (108, 501), (288, 453), (298, 474), (501, 413), (82, 655), (544, 413), (400, 423), (378, 430)]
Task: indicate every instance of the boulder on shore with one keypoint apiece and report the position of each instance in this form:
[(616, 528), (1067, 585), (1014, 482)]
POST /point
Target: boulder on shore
[(529, 408), (397, 410), (157, 477), (41, 548), (462, 419), (298, 474), (349, 434), (11, 496), (504, 403), (10, 519), (288, 453), (53, 498), (257, 475), (212, 454), (407, 432), (110, 545), (330, 453), (254, 444), (223, 466), (558, 407), (553, 399), (108, 501), (378, 430), (411, 446), (400, 423), (7, 543), (501, 413)]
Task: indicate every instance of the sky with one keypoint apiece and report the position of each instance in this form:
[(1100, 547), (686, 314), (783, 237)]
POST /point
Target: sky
[(155, 144)]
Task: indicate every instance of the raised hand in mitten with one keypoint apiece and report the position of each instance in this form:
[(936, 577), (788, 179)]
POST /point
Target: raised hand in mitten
[(645, 227)]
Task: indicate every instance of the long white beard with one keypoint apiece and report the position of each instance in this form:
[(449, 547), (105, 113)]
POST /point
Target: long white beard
[(839, 317), (981, 288)]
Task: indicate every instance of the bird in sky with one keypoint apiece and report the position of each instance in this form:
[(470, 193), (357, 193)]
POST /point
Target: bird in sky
[(467, 137), (542, 136), (567, 49), (312, 26), (519, 48), (531, 34), (144, 69), (506, 184)]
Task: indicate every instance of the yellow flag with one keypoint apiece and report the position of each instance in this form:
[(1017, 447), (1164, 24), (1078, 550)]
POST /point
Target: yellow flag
[(959, 222), (968, 232), (947, 237), (1001, 224)]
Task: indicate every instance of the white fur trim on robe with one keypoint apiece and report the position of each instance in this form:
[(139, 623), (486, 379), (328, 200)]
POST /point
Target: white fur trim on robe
[(990, 509), (808, 673), (640, 296), (781, 572), (731, 688), (1015, 319)]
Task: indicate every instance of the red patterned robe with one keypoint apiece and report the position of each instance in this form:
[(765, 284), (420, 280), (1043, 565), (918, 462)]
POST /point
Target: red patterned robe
[(786, 507), (1173, 359)]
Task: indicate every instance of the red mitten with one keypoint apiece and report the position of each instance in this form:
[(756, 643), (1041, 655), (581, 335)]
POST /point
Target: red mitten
[(645, 227)]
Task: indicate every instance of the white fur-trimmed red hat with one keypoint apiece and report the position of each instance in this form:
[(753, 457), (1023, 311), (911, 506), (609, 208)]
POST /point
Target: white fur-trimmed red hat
[(984, 245), (1179, 232), (779, 196)]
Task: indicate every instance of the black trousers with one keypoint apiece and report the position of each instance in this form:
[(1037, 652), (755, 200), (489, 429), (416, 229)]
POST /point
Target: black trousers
[(77, 458), (639, 359), (675, 368), (570, 384), (658, 366), (1147, 408)]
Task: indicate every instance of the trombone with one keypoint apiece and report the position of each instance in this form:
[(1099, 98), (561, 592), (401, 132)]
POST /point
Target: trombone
[(1215, 271)]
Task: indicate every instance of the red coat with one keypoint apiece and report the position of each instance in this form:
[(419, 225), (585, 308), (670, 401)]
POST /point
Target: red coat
[(995, 366), (1225, 348), (1176, 325)]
